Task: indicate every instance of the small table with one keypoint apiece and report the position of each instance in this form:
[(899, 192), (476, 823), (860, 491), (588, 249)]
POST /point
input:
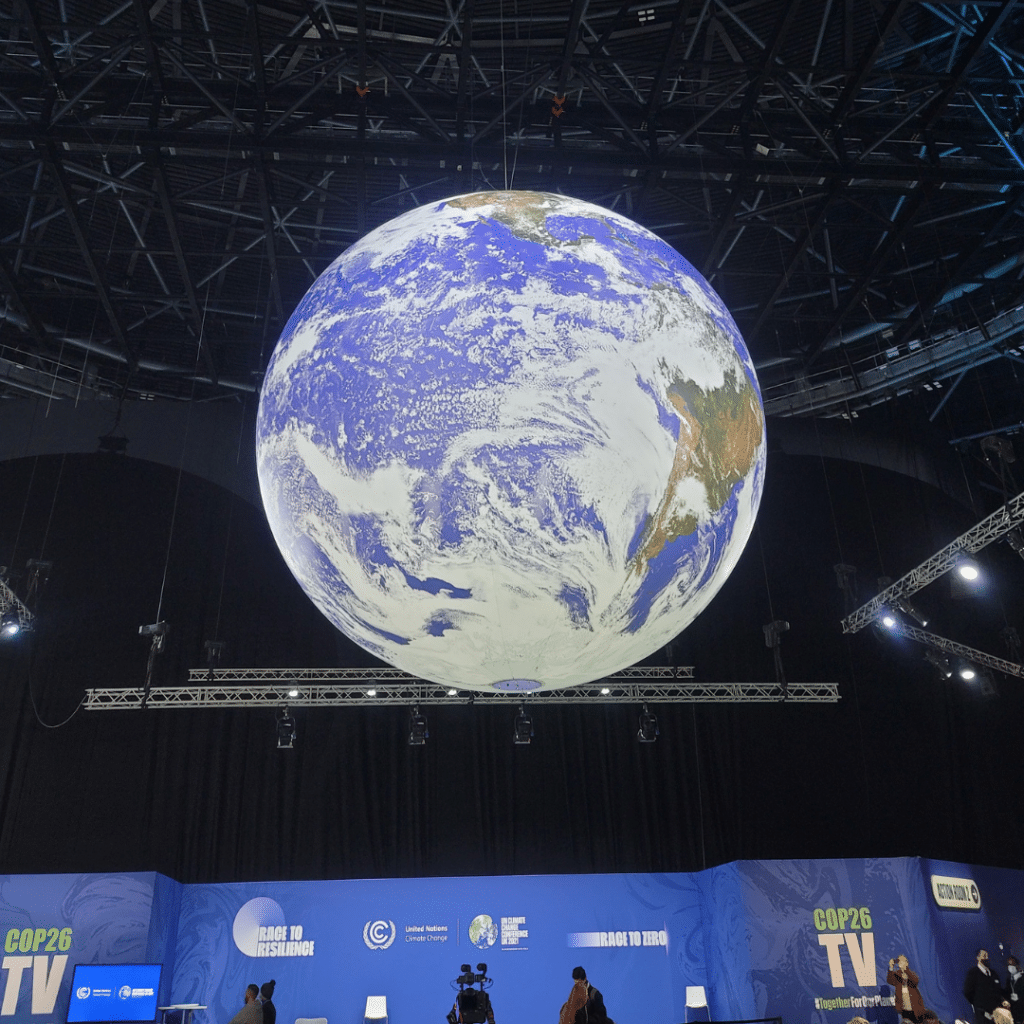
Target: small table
[(187, 1009)]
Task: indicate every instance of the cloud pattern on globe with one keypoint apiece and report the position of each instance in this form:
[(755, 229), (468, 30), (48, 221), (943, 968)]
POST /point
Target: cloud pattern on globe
[(511, 439)]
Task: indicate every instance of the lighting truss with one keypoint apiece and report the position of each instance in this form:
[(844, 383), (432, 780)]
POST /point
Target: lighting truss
[(10, 602), (422, 693), (1009, 668), (977, 537)]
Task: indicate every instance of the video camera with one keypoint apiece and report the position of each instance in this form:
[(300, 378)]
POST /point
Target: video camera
[(472, 1005), (467, 977)]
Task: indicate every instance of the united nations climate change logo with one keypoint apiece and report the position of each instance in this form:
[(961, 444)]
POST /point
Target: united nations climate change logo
[(124, 992), (379, 934), (83, 992), (483, 932), (261, 912)]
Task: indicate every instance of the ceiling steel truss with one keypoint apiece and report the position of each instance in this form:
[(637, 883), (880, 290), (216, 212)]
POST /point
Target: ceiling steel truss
[(354, 694), (998, 524), (940, 643), (177, 173)]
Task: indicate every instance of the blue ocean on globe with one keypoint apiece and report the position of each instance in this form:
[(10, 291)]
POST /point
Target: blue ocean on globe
[(511, 440)]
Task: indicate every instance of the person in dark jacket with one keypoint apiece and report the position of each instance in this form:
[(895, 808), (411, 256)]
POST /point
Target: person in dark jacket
[(596, 1013), (983, 990), (269, 1009)]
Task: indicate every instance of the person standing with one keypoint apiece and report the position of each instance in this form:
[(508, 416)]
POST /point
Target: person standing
[(574, 1009), (1014, 990), (269, 1010), (982, 989), (596, 1013), (909, 1004), (252, 1009)]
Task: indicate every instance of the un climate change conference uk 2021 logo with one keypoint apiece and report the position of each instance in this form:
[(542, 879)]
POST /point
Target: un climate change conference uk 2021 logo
[(379, 934), (260, 930)]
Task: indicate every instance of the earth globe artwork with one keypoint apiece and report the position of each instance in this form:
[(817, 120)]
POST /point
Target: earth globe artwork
[(512, 441), (483, 932)]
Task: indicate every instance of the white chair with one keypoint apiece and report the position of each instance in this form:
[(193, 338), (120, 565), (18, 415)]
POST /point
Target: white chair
[(696, 999), (376, 1010)]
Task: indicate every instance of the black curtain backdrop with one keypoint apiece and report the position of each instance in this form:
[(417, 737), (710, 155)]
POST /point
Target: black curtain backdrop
[(905, 764)]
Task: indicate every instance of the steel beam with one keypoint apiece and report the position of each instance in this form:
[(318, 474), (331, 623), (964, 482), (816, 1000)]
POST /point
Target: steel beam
[(877, 261), (423, 694), (940, 643), (57, 174), (991, 528)]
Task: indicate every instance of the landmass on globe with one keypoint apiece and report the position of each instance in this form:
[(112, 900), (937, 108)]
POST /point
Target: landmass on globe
[(511, 440)]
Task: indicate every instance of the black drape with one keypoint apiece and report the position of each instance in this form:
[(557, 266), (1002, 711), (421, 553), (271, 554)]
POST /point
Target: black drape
[(904, 764)]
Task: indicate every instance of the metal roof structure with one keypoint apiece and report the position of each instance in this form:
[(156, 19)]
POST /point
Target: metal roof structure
[(849, 176)]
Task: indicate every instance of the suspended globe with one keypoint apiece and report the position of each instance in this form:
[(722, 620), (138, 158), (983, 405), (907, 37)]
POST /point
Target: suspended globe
[(511, 440)]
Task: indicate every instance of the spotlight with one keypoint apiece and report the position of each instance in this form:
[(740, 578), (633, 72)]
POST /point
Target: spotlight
[(10, 625), (648, 731), (285, 730), (1016, 541), (967, 569), (371, 693), (773, 632), (452, 693), (417, 728), (887, 619), (605, 691), (940, 662), (293, 693), (522, 727), (911, 610), (968, 672)]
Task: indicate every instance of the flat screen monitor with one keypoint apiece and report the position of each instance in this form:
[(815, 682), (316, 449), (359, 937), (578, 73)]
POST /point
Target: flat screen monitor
[(109, 992)]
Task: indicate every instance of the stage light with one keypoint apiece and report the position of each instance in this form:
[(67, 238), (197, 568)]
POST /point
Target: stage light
[(967, 672), (417, 728), (605, 691), (452, 693), (293, 693), (967, 569), (1016, 541), (285, 730), (10, 625), (522, 727), (940, 662), (648, 731), (887, 619), (371, 693), (910, 609)]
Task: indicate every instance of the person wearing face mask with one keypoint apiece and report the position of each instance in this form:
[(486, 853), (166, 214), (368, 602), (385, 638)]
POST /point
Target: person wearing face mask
[(1014, 990), (983, 990)]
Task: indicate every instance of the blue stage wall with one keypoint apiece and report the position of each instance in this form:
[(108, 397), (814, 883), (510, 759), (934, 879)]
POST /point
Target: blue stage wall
[(808, 941)]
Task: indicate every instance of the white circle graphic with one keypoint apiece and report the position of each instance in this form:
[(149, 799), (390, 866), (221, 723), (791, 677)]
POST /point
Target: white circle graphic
[(379, 934), (124, 991), (261, 912), (83, 992)]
